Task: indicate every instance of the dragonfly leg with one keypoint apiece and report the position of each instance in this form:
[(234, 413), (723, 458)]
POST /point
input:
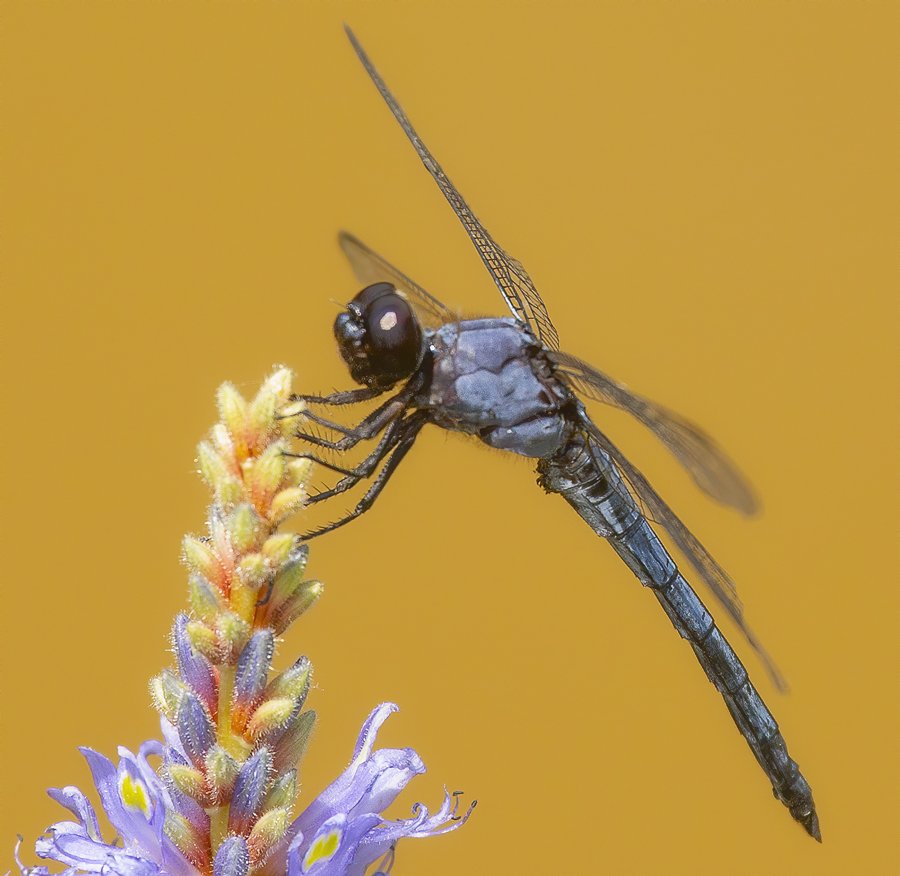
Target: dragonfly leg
[(342, 397), (367, 428), (411, 426), (364, 469)]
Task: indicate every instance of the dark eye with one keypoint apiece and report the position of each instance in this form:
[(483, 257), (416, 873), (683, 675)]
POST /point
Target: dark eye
[(391, 325), (379, 336), (393, 336)]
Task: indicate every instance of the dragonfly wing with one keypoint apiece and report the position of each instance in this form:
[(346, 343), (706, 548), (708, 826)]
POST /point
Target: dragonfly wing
[(511, 278), (714, 576), (706, 462), (369, 267)]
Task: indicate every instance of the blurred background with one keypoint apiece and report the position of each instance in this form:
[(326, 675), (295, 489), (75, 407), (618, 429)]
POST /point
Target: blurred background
[(706, 195)]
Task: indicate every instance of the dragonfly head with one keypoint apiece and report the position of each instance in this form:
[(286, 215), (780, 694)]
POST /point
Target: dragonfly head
[(379, 336)]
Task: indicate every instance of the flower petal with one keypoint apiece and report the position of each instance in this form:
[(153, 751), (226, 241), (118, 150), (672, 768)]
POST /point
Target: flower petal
[(131, 816), (333, 848), (80, 807), (69, 844)]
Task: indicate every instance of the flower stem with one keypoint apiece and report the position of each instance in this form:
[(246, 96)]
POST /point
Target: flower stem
[(218, 817)]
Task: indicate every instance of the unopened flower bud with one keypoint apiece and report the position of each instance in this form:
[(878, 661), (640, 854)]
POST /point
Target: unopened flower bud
[(280, 547), (245, 528), (233, 633), (249, 790), (299, 471), (189, 781), (232, 409), (205, 599), (286, 503), (264, 475), (221, 771), (195, 728), (194, 668), (270, 715), (186, 837), (287, 417), (270, 828), (297, 604), (167, 689), (292, 742), (283, 792), (212, 467), (272, 395), (252, 571), (253, 669), (200, 557), (232, 858), (293, 682), (204, 640)]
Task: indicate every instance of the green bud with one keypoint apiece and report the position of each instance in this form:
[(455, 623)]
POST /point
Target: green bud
[(264, 476), (188, 780), (293, 682), (244, 528), (270, 715), (199, 556), (167, 689), (270, 828), (232, 409), (212, 466), (206, 601), (292, 743), (221, 771), (286, 503), (204, 639), (277, 548), (183, 834), (297, 604), (253, 570), (283, 792), (233, 632)]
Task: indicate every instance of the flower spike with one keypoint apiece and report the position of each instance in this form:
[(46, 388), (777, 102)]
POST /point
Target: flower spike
[(221, 802)]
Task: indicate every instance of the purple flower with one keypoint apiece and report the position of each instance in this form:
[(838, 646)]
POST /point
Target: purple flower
[(135, 802), (342, 831)]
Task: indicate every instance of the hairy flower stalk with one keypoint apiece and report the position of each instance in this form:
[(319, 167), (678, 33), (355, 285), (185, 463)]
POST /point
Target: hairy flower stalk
[(225, 722), (221, 800)]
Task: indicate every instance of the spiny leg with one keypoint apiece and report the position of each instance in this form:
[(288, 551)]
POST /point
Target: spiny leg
[(342, 397), (365, 468), (412, 426), (370, 426)]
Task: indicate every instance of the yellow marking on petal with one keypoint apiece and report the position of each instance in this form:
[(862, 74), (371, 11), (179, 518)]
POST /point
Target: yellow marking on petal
[(322, 849), (134, 794)]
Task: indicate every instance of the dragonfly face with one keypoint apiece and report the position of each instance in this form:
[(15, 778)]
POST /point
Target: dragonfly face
[(379, 337)]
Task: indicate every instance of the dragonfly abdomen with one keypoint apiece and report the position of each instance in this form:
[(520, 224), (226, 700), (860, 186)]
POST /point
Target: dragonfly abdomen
[(589, 481)]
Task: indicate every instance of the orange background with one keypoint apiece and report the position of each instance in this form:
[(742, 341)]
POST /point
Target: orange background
[(706, 194)]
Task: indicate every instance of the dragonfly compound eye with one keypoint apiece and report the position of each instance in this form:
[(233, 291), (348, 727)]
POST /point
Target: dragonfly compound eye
[(379, 336)]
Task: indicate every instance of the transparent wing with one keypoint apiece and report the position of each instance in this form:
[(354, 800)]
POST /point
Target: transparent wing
[(714, 576), (706, 462), (511, 278), (369, 267)]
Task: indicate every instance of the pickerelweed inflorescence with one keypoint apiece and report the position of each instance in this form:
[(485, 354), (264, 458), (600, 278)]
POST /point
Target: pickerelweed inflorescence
[(221, 796)]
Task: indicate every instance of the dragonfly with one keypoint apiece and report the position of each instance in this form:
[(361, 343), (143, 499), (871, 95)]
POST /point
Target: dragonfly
[(505, 381)]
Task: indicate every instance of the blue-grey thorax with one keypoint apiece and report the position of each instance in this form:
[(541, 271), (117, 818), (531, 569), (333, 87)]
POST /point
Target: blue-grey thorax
[(489, 379)]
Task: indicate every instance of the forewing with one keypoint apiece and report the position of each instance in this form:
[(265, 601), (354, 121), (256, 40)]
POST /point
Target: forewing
[(511, 278), (714, 576), (706, 462), (370, 267)]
